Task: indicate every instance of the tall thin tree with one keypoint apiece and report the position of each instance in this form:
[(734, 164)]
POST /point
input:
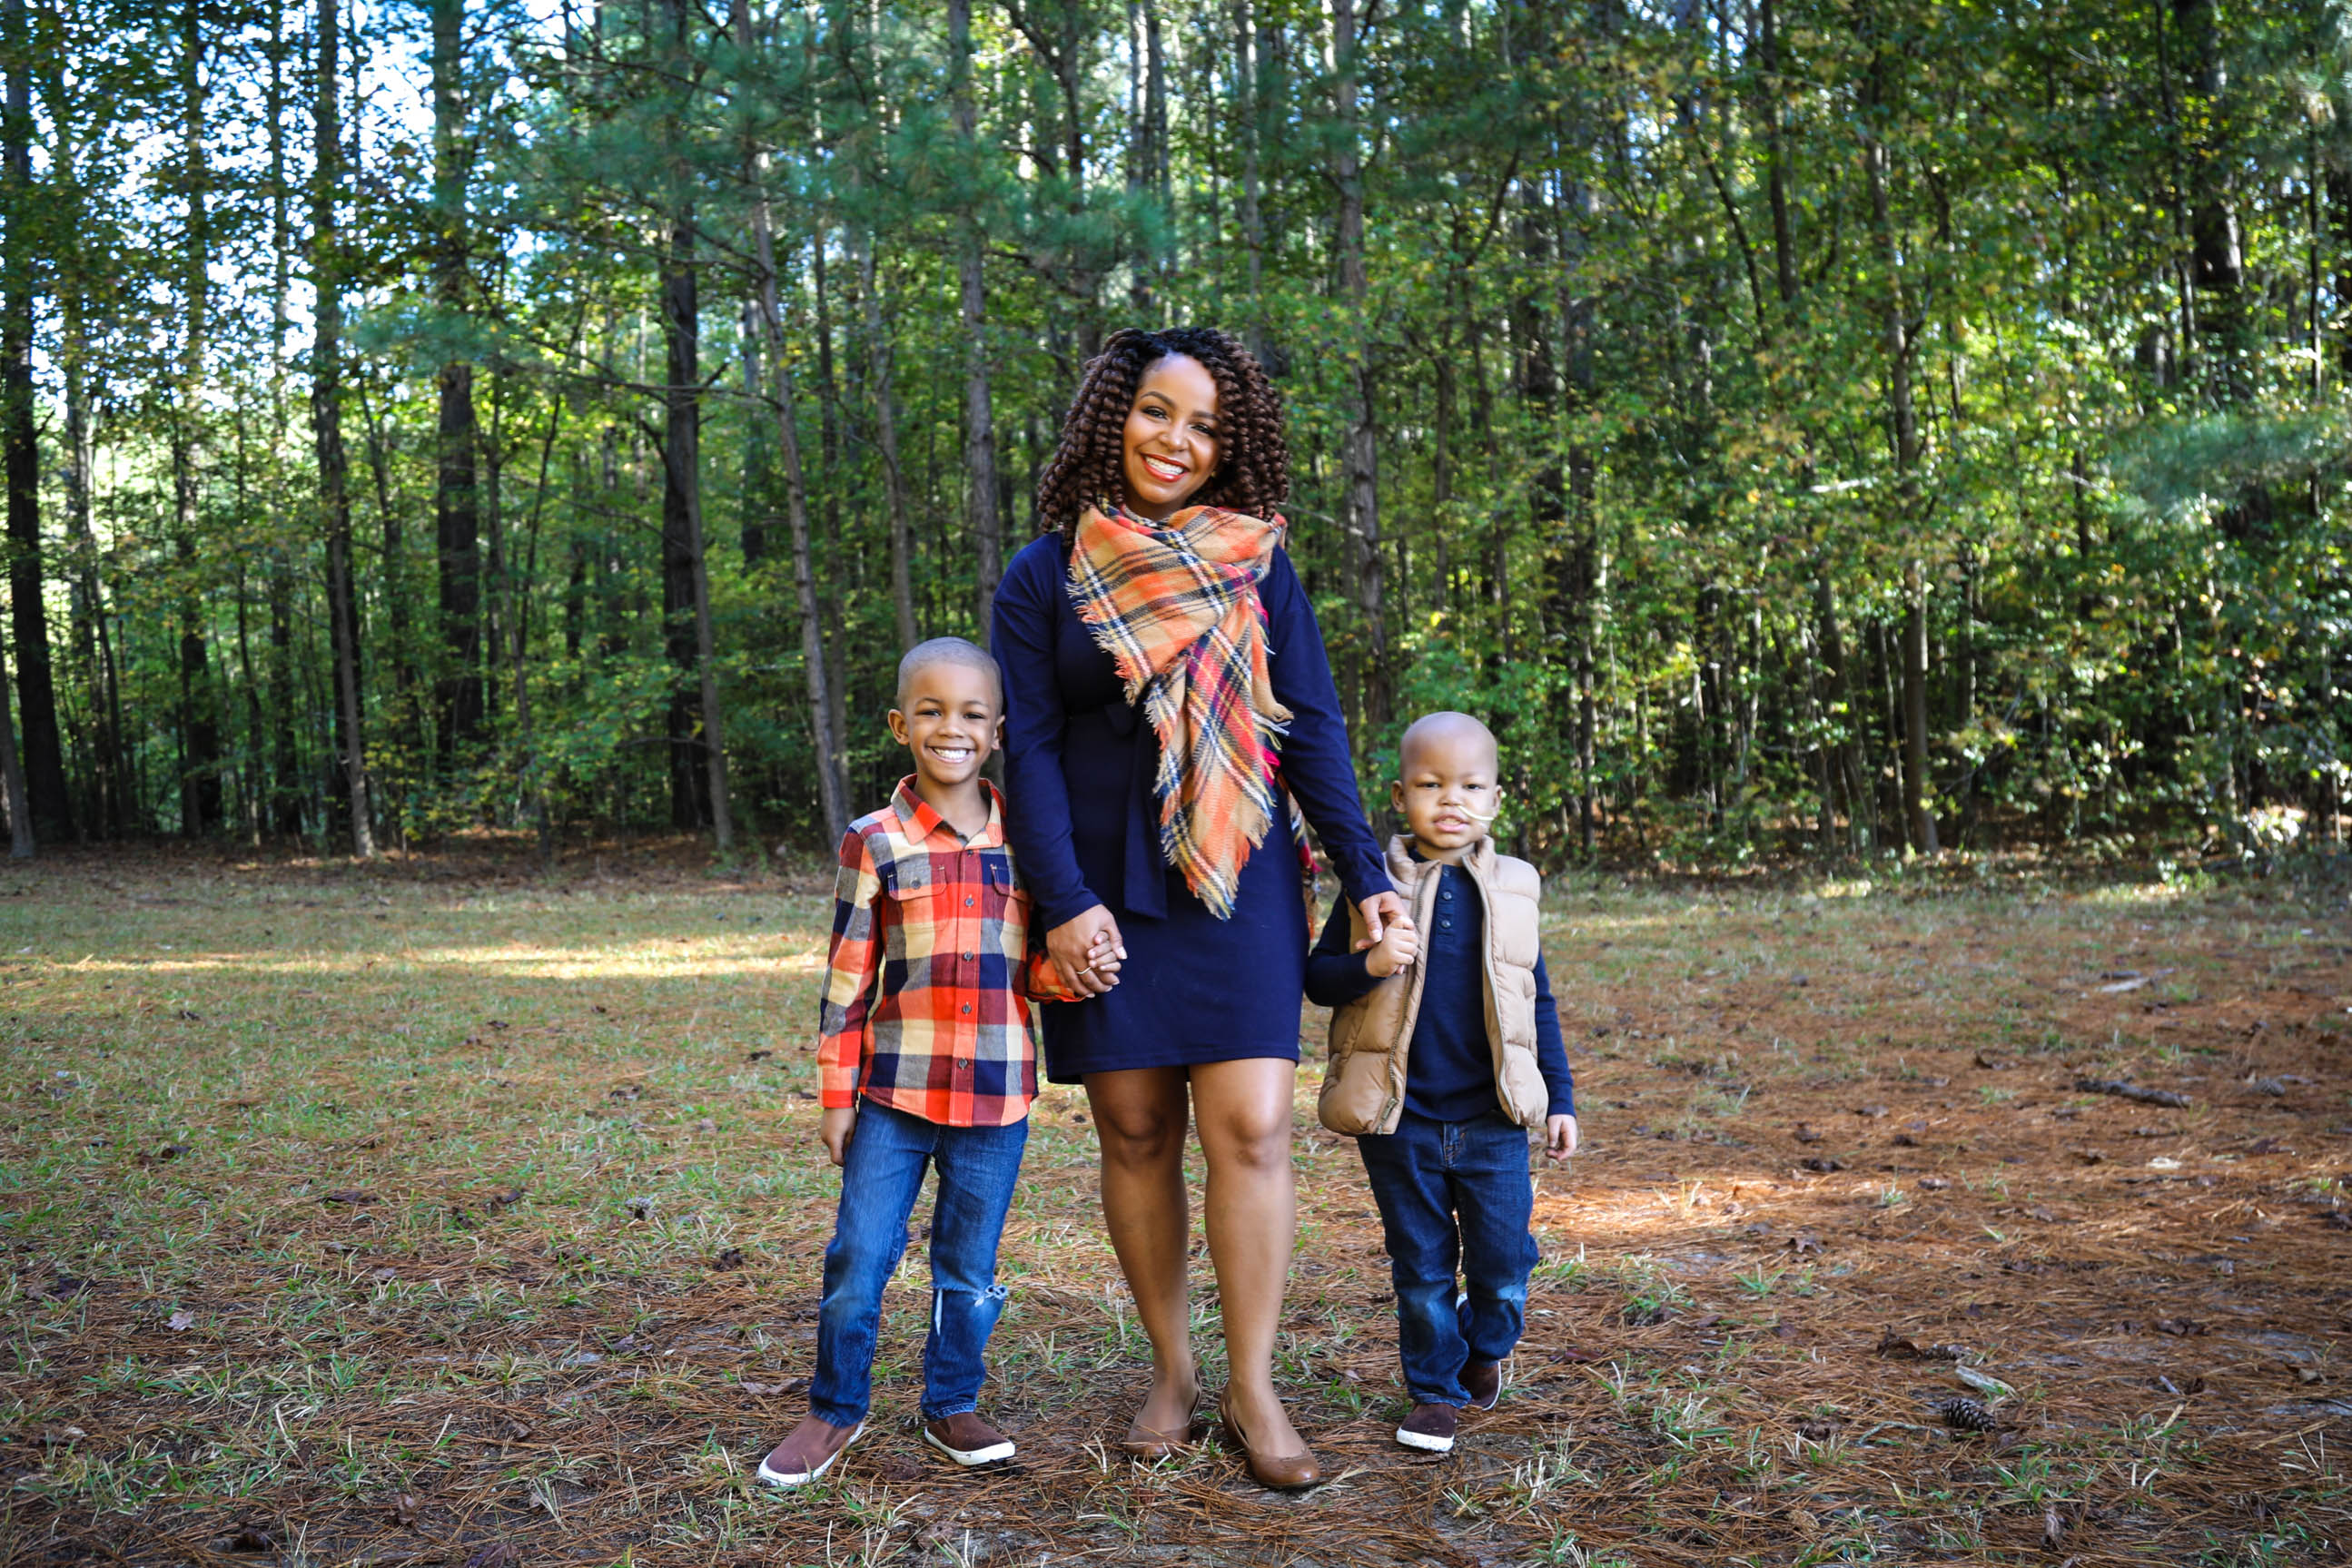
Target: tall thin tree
[(44, 756), (458, 694), (697, 739), (200, 782), (326, 264), (1360, 455), (979, 419)]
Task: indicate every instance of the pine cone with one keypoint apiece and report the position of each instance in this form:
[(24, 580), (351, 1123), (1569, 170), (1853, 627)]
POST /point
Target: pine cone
[(1966, 1414)]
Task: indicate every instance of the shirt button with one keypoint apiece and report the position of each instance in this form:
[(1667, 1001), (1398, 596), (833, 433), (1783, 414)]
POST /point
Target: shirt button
[(1447, 893), (966, 1007), (966, 902), (1447, 924), (966, 958)]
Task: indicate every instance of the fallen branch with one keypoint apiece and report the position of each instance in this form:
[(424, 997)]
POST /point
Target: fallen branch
[(2132, 1091)]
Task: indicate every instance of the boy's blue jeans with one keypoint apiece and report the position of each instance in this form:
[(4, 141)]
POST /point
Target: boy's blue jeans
[(887, 1155), (1453, 1195)]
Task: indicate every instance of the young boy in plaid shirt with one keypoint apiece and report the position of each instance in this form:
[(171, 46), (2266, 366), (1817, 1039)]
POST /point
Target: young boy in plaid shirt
[(926, 1059)]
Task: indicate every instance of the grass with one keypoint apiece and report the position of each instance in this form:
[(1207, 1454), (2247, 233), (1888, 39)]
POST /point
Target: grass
[(385, 1214)]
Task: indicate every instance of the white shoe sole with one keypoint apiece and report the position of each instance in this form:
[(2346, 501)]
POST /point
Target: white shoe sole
[(1425, 1442), (987, 1456), (780, 1478)]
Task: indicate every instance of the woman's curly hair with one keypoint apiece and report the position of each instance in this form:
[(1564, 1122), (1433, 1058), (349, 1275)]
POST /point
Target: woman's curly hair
[(1254, 461)]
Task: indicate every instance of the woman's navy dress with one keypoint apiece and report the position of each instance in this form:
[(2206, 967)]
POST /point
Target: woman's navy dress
[(1079, 762)]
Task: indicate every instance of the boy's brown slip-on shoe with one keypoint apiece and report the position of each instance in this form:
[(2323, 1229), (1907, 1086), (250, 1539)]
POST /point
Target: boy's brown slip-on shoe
[(1482, 1380), (967, 1439), (807, 1451)]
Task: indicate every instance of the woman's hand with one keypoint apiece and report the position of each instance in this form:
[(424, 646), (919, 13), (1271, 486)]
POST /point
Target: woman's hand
[(1085, 948), (1379, 912)]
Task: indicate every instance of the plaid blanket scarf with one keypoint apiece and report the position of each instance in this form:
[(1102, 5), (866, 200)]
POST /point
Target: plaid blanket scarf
[(1176, 607)]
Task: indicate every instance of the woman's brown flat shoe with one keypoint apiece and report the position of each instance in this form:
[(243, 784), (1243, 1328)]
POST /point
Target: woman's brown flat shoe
[(1275, 1472), (1144, 1442)]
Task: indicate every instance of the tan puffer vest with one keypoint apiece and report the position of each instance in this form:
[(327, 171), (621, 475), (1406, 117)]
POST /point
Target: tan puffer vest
[(1363, 1083)]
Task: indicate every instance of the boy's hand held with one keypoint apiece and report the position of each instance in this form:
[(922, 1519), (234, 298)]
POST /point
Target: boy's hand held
[(1394, 952), (1106, 954), (835, 1127), (1077, 947), (1560, 1138), (1381, 911)]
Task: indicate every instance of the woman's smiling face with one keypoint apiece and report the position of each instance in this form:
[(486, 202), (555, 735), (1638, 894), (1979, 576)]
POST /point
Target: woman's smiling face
[(1170, 447)]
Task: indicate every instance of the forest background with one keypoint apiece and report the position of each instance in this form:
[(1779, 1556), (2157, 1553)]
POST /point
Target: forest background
[(1803, 426)]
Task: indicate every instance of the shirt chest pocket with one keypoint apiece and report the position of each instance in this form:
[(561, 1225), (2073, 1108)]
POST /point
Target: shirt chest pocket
[(998, 901), (912, 885)]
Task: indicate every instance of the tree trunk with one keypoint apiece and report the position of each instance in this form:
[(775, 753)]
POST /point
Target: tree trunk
[(327, 426), (823, 697), (886, 437), (698, 767), (21, 843), (200, 790), (92, 642), (44, 753), (1359, 457), (1582, 545), (2216, 257), (1915, 783), (1246, 70), (1853, 776), (1905, 420), (759, 468), (1784, 257), (979, 418), (458, 699), (93, 653), (285, 771), (399, 648)]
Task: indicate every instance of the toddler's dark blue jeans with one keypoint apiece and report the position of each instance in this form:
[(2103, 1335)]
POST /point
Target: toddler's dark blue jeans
[(1453, 1195), (887, 1155)]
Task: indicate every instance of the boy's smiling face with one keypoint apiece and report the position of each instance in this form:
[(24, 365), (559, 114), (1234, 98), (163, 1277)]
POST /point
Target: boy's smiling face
[(949, 717), (1447, 789)]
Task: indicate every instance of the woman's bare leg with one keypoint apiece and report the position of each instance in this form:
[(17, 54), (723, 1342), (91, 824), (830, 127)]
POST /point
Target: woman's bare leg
[(1243, 1109), (1140, 1121)]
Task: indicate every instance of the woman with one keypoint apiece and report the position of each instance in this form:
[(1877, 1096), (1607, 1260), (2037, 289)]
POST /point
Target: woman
[(1165, 687)]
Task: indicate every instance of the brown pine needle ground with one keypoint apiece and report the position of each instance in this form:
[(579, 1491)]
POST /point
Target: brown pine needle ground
[(393, 1216)]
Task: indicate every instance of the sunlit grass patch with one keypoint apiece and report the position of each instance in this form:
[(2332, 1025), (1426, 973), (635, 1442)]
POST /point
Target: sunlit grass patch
[(508, 1202)]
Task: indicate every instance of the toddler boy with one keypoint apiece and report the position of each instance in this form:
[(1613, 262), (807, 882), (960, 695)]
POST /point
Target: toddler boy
[(926, 1059), (1445, 1048)]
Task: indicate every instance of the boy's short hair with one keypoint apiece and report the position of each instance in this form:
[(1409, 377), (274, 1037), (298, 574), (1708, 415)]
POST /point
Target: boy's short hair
[(947, 651), (1429, 726)]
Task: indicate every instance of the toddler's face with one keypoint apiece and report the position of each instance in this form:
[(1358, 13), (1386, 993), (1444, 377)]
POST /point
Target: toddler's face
[(1448, 792), (950, 721)]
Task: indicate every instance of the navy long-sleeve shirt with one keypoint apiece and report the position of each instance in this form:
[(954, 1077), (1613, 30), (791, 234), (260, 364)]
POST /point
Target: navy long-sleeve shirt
[(1079, 812), (1449, 1062)]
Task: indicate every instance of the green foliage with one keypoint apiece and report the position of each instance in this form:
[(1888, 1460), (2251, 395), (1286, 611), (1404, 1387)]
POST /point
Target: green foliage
[(1642, 328)]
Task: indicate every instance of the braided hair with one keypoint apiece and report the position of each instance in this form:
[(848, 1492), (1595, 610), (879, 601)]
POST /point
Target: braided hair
[(1254, 464)]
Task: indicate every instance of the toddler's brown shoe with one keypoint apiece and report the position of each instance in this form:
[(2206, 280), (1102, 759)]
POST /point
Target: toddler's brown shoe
[(1429, 1428), (1483, 1382)]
